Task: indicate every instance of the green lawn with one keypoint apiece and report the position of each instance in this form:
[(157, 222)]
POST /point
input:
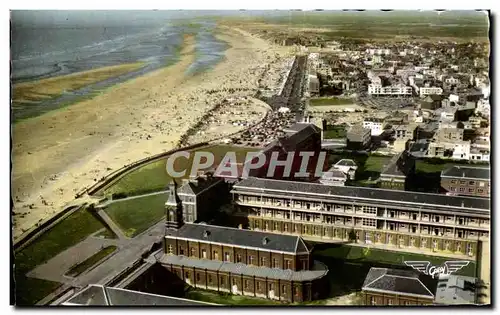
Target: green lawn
[(91, 261), (153, 176), (426, 167), (379, 256), (106, 233), (134, 216), (334, 133), (376, 163), (330, 101), (226, 298), (63, 235)]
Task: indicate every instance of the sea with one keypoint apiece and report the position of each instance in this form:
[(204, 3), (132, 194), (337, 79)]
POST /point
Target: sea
[(44, 46)]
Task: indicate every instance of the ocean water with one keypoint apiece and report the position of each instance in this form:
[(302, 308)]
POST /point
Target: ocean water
[(53, 49)]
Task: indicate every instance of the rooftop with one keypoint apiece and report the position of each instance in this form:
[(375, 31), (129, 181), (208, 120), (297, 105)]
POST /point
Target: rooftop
[(98, 295), (401, 282), (313, 191), (346, 162), (198, 185), (318, 269), (458, 171), (241, 237)]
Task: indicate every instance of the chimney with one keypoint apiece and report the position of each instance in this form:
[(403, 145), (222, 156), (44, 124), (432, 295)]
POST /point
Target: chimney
[(206, 234), (265, 241)]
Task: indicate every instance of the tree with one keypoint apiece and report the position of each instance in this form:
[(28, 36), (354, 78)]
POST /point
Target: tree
[(352, 236)]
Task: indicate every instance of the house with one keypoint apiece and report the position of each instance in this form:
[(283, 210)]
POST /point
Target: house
[(392, 90), (449, 134), (244, 262), (431, 102), (475, 121), (456, 290), (358, 137), (403, 130), (461, 150), (313, 84), (333, 177), (423, 91), (347, 166), (466, 180), (383, 286), (376, 125), (395, 173), (479, 155), (197, 197)]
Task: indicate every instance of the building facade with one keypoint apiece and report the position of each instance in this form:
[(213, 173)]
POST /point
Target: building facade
[(467, 181), (393, 90), (430, 91), (401, 220), (244, 262), (376, 125)]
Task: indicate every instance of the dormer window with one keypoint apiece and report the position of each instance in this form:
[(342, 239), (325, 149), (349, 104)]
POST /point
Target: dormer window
[(206, 234), (265, 241)]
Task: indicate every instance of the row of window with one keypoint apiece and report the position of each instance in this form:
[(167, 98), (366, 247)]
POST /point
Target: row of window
[(471, 183), (227, 257), (373, 301), (470, 190), (246, 283)]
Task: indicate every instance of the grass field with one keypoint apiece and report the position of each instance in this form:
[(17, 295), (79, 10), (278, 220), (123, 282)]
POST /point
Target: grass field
[(349, 265), (63, 235), (136, 215), (90, 262), (334, 133), (227, 299), (330, 101), (32, 92), (426, 167), (153, 176)]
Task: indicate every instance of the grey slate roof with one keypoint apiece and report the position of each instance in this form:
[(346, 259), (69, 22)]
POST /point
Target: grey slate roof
[(313, 191), (467, 172), (240, 237), (196, 187), (456, 290), (97, 295), (402, 282), (319, 269), (299, 127)]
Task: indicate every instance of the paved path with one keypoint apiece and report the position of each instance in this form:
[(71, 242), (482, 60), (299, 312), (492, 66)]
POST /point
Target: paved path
[(112, 225), (107, 203)]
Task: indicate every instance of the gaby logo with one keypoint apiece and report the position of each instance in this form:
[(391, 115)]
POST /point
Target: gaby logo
[(446, 269)]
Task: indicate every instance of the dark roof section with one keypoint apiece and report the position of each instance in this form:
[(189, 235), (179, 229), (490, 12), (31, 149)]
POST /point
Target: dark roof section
[(467, 172), (258, 186), (299, 127), (241, 237), (97, 295), (403, 282), (399, 165), (318, 269), (197, 186)]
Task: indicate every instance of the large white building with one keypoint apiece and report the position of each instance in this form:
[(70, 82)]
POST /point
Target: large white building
[(376, 125), (430, 91), (461, 151), (378, 89)]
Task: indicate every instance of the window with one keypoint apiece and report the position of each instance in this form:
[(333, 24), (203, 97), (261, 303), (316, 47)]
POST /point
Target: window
[(373, 301), (250, 260), (257, 225), (238, 258), (193, 251), (453, 181), (288, 264), (181, 251), (187, 274), (198, 278), (462, 189), (369, 210), (258, 285), (247, 284), (368, 237), (283, 290), (263, 261), (389, 301), (369, 222), (453, 188), (266, 226), (480, 191), (481, 184), (271, 286), (215, 255), (435, 244), (203, 253), (472, 183), (275, 263), (170, 249), (276, 226), (414, 216), (304, 264), (462, 182), (469, 249), (227, 256), (285, 227), (221, 280)]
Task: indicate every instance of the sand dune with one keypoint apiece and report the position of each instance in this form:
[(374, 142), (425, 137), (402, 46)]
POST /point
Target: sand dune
[(59, 153)]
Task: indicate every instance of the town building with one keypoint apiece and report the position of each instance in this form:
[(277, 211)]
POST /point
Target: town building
[(466, 180), (423, 91), (244, 262), (333, 177), (391, 219), (449, 134), (376, 125), (392, 90), (395, 173), (383, 286), (198, 197), (456, 290), (313, 85), (358, 137)]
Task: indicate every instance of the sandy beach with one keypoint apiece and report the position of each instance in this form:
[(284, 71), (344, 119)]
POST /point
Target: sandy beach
[(59, 153)]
